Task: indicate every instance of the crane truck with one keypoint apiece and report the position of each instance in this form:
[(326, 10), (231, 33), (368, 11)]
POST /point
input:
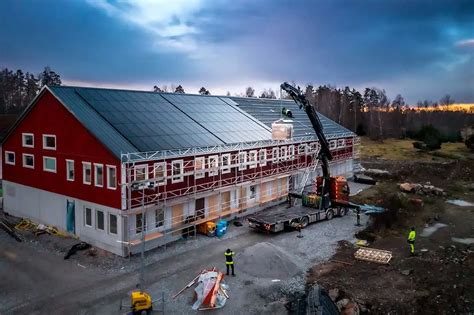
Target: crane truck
[(331, 196)]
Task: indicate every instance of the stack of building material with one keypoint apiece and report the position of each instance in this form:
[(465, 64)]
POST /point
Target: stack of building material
[(374, 255), (282, 130)]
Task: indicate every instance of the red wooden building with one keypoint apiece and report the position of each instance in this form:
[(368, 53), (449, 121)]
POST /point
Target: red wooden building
[(106, 165)]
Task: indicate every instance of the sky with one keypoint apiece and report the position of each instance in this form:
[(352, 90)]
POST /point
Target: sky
[(420, 49)]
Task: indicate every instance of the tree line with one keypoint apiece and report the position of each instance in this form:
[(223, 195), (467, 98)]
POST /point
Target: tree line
[(17, 89)]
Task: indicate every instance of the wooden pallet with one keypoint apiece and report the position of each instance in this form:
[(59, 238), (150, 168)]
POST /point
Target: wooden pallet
[(374, 255)]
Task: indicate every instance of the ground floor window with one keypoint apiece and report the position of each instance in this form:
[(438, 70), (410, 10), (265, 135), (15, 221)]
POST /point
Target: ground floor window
[(140, 223), (253, 192), (112, 223), (88, 217), (159, 218), (100, 220)]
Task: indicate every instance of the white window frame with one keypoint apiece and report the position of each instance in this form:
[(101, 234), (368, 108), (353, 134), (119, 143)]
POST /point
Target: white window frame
[(253, 161), (213, 165), (114, 168), (85, 216), (7, 160), (84, 164), (109, 225), (341, 143), (68, 169), (313, 147), (275, 154), (143, 225), (262, 157), (291, 152), (302, 149), (225, 168), (160, 180), (160, 224), (254, 197), (44, 142), (177, 178), (24, 155), (283, 153), (44, 164), (145, 172), (96, 168), (242, 161), (201, 172), (332, 144), (97, 219), (23, 142)]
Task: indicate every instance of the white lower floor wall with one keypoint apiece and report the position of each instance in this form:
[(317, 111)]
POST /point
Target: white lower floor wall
[(95, 224)]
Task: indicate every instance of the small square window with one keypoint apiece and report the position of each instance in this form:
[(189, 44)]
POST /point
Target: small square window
[(332, 144), (86, 173), (49, 164), (100, 220), (49, 142), (141, 172), (341, 143), (28, 140), (199, 167), (111, 177), (70, 170), (88, 216), (10, 157), (28, 160), (112, 223), (262, 157), (213, 165), (99, 175)]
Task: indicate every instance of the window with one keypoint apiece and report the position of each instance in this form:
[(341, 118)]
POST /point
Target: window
[(283, 153), (86, 173), (262, 157), (332, 144), (28, 140), (111, 177), (28, 160), (225, 163), (341, 143), (302, 149), (291, 152), (99, 175), (88, 216), (70, 170), (275, 152), (242, 161), (140, 223), (213, 165), (313, 147), (253, 159), (49, 142), (177, 171), (159, 218), (199, 166), (10, 157), (99, 220), (49, 164), (141, 172), (112, 223), (253, 192), (159, 173)]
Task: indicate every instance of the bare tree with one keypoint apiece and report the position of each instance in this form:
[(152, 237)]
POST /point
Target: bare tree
[(446, 101)]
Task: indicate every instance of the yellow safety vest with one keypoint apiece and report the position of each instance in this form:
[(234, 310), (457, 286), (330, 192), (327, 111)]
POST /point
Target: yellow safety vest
[(228, 258), (411, 236)]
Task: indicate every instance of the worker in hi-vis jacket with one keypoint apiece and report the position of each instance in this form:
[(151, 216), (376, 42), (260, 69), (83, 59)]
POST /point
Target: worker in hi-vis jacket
[(229, 261), (411, 240)]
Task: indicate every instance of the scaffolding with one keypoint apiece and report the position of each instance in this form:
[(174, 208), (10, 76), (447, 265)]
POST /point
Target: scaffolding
[(235, 179)]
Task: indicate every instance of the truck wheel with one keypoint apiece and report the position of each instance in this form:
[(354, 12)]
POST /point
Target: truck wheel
[(342, 211), (304, 221), (329, 214)]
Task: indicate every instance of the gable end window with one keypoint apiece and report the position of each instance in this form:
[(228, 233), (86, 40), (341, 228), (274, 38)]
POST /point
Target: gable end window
[(70, 170), (99, 175), (111, 177), (28, 160), (28, 140), (10, 157), (86, 173), (49, 142), (49, 164)]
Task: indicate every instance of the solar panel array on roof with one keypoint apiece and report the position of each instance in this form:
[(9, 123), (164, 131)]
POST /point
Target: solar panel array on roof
[(268, 111)]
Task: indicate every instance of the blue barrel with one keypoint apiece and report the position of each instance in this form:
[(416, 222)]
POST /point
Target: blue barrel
[(221, 228)]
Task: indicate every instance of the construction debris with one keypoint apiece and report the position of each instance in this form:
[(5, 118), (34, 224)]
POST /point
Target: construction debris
[(10, 229), (210, 293), (421, 189), (374, 255), (363, 179), (376, 172), (74, 248), (38, 229)]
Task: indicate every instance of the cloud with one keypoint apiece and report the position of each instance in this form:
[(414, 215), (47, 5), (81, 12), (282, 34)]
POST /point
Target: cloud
[(465, 43), (169, 22)]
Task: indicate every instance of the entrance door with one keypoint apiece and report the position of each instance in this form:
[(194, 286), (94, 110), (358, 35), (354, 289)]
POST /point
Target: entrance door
[(200, 214), (71, 217)]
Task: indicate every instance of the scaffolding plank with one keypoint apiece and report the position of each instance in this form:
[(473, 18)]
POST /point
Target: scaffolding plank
[(374, 255)]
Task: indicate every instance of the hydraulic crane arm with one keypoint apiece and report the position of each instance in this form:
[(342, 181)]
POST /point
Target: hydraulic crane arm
[(324, 154)]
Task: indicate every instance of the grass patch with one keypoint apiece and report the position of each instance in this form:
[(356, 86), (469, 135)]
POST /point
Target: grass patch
[(402, 150)]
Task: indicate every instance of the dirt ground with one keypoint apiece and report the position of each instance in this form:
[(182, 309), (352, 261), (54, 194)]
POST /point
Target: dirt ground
[(439, 278)]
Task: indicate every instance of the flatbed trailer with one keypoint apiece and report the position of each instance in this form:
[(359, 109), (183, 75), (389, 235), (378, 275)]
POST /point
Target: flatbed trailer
[(278, 220)]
